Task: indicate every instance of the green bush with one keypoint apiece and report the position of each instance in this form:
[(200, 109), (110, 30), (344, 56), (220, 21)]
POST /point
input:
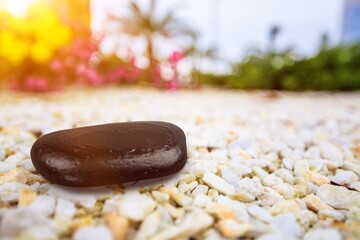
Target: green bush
[(335, 68)]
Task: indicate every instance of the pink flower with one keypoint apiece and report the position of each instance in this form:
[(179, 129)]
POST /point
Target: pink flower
[(56, 65), (14, 84), (41, 85), (172, 84), (137, 72), (156, 74), (93, 77), (30, 83), (36, 84), (81, 69), (175, 57), (119, 73)]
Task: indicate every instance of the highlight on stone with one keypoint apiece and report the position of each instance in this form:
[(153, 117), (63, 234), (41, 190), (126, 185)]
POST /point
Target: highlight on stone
[(110, 154)]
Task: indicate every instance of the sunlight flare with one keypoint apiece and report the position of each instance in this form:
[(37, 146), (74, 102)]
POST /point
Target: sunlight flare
[(16, 7)]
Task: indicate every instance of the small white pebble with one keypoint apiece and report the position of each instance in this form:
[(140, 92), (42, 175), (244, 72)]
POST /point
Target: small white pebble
[(285, 175), (312, 153), (321, 234), (285, 206), (43, 204), (28, 165), (339, 197), (238, 208), (354, 214), (65, 209), (200, 189), (93, 233), (160, 197), (229, 176), (7, 166), (182, 199), (259, 172), (202, 167), (112, 205), (252, 186), (272, 180), (274, 235), (285, 190), (218, 183), (212, 234), (219, 155), (39, 233), (260, 213), (136, 206), (269, 197), (344, 177), (332, 214), (287, 224), (288, 163), (258, 162), (301, 168), (332, 153), (84, 196), (240, 169), (15, 158), (10, 191), (306, 218), (317, 165), (355, 185), (201, 200), (234, 229), (2, 154), (19, 220), (149, 226), (191, 186), (193, 223)]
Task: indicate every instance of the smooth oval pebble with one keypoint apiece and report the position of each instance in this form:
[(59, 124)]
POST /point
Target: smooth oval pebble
[(110, 153)]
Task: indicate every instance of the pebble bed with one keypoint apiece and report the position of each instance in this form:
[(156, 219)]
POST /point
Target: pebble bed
[(261, 165)]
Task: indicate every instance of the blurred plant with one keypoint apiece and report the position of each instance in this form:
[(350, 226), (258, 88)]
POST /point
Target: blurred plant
[(335, 68), (79, 63), (198, 54), (261, 71), (33, 38), (148, 25), (173, 60), (115, 70), (67, 65), (28, 43), (38, 52)]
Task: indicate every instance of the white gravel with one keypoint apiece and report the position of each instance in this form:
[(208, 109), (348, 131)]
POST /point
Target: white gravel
[(259, 166)]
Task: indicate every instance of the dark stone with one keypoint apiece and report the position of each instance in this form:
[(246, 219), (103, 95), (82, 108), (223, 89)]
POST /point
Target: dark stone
[(110, 153)]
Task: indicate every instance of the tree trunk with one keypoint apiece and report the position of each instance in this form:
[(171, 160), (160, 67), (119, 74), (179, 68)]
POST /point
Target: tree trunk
[(151, 58), (194, 70)]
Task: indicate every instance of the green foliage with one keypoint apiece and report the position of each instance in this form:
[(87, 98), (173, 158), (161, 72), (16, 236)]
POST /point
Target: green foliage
[(209, 78), (330, 69)]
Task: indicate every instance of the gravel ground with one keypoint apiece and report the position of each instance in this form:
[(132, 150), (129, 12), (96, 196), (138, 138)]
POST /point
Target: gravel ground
[(261, 166)]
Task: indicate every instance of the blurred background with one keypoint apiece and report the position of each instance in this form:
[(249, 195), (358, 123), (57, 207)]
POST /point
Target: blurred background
[(47, 45)]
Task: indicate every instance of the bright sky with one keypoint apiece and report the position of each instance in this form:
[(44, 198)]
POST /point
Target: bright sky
[(236, 26)]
